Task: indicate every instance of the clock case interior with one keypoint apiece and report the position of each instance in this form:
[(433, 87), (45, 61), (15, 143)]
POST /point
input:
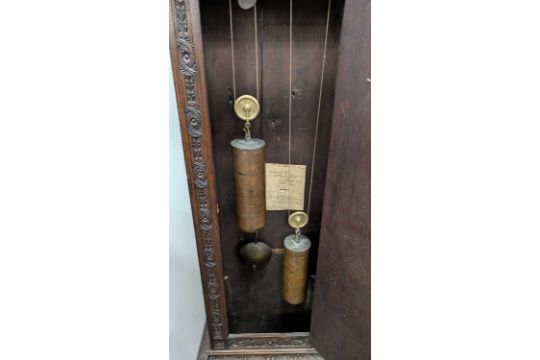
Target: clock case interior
[(254, 301)]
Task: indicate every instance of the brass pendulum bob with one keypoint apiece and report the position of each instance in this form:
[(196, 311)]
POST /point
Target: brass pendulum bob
[(295, 270), (255, 253)]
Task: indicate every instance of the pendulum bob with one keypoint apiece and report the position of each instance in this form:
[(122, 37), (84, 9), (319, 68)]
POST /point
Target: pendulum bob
[(248, 164), (295, 269), (255, 253)]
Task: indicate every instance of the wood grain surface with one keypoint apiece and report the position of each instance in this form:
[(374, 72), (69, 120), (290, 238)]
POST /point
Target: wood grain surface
[(341, 310)]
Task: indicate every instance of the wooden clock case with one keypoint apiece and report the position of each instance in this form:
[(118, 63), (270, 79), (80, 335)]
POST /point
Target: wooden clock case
[(246, 316)]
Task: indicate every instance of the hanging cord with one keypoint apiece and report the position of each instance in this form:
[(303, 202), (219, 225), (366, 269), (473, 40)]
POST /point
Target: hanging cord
[(247, 124), (232, 48), (256, 32), (256, 51), (290, 98), (318, 107)]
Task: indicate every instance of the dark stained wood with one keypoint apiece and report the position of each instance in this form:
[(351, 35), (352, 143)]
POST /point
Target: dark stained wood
[(254, 291), (185, 44), (340, 327), (254, 299), (341, 309)]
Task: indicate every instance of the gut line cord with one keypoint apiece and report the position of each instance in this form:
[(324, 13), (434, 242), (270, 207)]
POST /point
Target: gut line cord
[(290, 98), (232, 48), (256, 51), (319, 107)]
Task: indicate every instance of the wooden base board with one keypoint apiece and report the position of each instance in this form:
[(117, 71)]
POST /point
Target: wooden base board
[(294, 346)]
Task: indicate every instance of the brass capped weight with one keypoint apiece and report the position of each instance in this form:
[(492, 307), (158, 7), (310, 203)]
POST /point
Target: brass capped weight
[(295, 270), (248, 167)]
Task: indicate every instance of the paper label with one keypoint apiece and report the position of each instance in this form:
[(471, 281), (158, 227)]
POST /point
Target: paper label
[(285, 186)]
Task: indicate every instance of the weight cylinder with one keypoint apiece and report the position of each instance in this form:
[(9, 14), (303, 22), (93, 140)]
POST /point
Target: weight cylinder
[(295, 270), (248, 165)]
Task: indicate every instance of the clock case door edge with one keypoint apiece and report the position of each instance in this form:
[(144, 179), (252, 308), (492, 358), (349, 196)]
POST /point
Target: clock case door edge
[(341, 316), (185, 43)]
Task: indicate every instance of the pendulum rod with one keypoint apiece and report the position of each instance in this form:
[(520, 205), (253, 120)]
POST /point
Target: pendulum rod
[(318, 107)]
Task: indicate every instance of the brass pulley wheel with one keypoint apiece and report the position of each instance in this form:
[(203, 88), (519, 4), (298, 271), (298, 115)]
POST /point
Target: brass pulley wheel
[(298, 219), (246, 107), (246, 4)]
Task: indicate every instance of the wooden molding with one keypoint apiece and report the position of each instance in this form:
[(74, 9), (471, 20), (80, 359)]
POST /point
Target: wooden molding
[(269, 340), (261, 347), (265, 356), (185, 43)]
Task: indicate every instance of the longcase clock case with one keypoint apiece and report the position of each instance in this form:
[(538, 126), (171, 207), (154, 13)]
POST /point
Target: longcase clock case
[(308, 64)]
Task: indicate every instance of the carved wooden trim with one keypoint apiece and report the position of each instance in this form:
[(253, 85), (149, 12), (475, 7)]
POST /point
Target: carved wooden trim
[(204, 346), (258, 341), (265, 354), (188, 70), (267, 357)]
